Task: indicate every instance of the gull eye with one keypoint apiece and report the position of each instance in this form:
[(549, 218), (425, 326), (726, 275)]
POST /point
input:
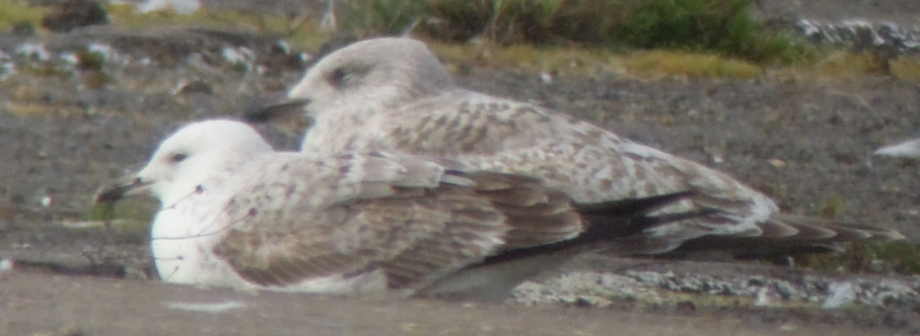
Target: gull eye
[(179, 157), (347, 75), (337, 77)]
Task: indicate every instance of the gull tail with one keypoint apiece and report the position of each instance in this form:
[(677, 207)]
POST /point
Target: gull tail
[(788, 235)]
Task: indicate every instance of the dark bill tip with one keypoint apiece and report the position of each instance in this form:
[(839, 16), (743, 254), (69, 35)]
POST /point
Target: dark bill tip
[(118, 191), (273, 106)]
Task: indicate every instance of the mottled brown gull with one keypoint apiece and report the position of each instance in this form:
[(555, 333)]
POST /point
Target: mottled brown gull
[(236, 213), (393, 94)]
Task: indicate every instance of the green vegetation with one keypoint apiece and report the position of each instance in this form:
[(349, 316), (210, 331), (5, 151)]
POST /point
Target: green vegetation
[(303, 33), (694, 38), (13, 12), (906, 68), (381, 17), (643, 38), (45, 69), (710, 26), (690, 64), (90, 60), (899, 257), (845, 64), (139, 208), (128, 219), (588, 61), (865, 256), (90, 64)]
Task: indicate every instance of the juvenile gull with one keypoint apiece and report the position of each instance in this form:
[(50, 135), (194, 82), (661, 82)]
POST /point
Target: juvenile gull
[(236, 213), (906, 149), (393, 94)]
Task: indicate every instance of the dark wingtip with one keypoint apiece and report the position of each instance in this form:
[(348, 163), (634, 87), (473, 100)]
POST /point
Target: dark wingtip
[(634, 206)]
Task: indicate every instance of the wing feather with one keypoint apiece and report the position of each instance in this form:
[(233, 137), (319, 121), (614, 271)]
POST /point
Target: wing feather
[(408, 218), (403, 218)]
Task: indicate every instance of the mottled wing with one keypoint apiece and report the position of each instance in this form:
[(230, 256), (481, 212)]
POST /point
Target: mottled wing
[(588, 163), (591, 165), (535, 214), (353, 214), (528, 213)]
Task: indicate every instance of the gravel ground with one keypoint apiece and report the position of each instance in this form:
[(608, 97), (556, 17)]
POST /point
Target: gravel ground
[(66, 130)]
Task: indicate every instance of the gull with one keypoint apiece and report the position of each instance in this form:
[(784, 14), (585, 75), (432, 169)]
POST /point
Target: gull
[(906, 149), (236, 213), (183, 7), (392, 94)]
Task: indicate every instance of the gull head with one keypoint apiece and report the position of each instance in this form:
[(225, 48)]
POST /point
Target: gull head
[(377, 72), (188, 157)]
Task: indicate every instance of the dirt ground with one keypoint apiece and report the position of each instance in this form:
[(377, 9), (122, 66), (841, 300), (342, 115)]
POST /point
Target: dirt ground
[(807, 142), (94, 306)]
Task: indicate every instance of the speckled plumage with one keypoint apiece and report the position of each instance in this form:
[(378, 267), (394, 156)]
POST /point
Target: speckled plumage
[(237, 213), (393, 94)]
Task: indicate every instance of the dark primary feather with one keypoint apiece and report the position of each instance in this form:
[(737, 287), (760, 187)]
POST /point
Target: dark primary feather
[(611, 225), (787, 235), (611, 222)]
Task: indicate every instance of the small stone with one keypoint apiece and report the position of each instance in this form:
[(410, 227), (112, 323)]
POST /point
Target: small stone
[(763, 298), (6, 265), (69, 14), (777, 163), (195, 86), (841, 294), (182, 7), (686, 307), (23, 28), (135, 273)]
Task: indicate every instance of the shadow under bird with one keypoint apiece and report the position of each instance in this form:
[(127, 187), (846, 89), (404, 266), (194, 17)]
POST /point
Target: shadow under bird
[(236, 213)]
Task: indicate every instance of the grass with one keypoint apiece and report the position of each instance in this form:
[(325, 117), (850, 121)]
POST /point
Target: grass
[(869, 257), (139, 208), (665, 62), (302, 34), (128, 219), (388, 17), (843, 64), (381, 17), (906, 68), (707, 26), (822, 64), (647, 24), (566, 61), (588, 61), (14, 12)]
